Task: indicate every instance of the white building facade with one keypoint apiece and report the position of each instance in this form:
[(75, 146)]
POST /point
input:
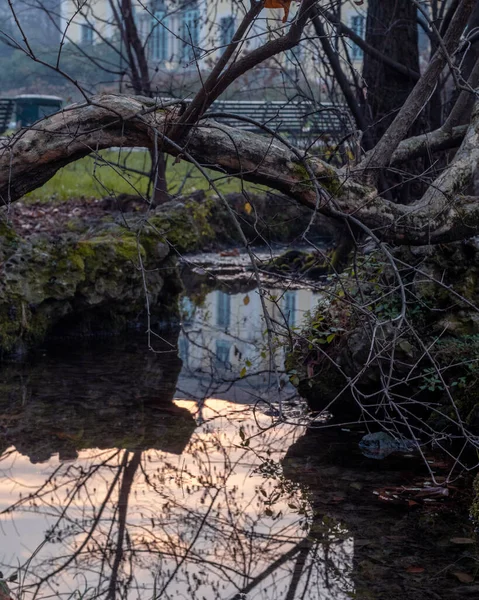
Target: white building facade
[(188, 34)]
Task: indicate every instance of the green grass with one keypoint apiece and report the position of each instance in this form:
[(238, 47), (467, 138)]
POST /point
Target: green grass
[(92, 177)]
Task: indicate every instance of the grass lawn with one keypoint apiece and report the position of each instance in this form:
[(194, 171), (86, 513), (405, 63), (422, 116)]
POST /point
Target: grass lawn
[(92, 177)]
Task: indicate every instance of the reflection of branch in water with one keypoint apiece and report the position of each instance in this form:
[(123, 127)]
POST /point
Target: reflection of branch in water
[(123, 497), (301, 547), (190, 527), (298, 568), (310, 572), (96, 520), (231, 467)]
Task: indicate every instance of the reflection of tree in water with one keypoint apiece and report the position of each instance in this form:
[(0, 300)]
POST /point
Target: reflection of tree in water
[(147, 523), (141, 504)]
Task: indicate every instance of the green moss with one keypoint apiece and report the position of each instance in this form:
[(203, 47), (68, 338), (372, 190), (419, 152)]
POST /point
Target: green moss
[(7, 234), (186, 227), (475, 502), (72, 260), (125, 246), (12, 321), (84, 249), (329, 180), (304, 179)]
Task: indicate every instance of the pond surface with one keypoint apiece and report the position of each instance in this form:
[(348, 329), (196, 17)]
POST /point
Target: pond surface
[(128, 473)]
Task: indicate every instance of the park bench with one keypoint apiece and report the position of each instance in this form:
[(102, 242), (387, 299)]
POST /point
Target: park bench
[(300, 120), (296, 119), (7, 106)]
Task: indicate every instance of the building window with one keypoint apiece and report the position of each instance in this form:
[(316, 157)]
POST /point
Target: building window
[(86, 34), (223, 310), (358, 26), (223, 348), (227, 30), (191, 34), (159, 36), (290, 308)]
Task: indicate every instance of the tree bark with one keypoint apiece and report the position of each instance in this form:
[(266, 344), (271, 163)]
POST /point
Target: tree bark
[(391, 28), (32, 157), (422, 91), (159, 191)]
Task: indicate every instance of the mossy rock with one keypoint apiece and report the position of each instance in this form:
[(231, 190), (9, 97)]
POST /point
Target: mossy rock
[(183, 226), (84, 284), (297, 262), (364, 304)]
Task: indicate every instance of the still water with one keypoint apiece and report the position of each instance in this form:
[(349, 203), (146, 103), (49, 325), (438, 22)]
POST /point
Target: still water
[(132, 473)]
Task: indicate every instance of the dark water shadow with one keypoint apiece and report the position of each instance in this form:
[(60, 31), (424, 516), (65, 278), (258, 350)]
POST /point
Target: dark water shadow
[(399, 552)]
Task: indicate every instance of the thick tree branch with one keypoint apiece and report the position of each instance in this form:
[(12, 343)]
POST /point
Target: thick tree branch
[(461, 111), (460, 173), (427, 143), (221, 77), (423, 90), (32, 157)]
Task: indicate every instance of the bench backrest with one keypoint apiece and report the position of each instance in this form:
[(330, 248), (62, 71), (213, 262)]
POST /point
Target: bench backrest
[(6, 113), (295, 118)]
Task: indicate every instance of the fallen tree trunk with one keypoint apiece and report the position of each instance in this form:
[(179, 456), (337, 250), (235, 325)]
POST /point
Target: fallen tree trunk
[(444, 214)]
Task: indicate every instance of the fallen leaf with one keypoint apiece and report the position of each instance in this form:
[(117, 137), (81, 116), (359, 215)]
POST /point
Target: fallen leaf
[(463, 577), (234, 252), (414, 569), (462, 540), (246, 300), (248, 208)]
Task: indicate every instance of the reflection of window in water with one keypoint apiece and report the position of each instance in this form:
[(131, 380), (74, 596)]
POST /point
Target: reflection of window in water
[(187, 309), (290, 307), (223, 348), (183, 349), (223, 311), (86, 34)]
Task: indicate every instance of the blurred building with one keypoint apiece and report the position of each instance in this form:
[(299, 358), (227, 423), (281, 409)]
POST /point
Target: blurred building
[(187, 33), (36, 23)]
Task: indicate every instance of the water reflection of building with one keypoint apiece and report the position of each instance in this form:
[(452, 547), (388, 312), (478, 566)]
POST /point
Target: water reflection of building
[(225, 339)]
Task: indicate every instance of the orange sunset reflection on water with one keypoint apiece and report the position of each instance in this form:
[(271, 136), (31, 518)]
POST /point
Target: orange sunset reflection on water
[(218, 520)]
